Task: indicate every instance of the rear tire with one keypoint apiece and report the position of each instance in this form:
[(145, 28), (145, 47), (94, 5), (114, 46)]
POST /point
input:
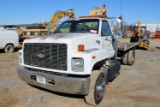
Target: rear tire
[(125, 59), (129, 58), (9, 49), (97, 88)]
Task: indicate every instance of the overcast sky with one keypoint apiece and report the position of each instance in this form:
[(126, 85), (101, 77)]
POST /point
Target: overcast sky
[(34, 11)]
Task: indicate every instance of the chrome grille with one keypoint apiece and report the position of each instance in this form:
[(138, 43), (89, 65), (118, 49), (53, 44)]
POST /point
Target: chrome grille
[(46, 55)]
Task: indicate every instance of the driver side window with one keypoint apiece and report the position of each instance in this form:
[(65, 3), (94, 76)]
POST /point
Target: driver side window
[(105, 31)]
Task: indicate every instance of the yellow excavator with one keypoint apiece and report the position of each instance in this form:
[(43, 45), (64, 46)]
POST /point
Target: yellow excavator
[(58, 15), (139, 36)]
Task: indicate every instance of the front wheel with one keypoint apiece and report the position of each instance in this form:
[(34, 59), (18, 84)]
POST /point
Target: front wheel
[(97, 88), (9, 49)]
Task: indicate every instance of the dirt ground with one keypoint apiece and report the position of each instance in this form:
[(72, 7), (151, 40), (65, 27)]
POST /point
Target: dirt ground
[(136, 86)]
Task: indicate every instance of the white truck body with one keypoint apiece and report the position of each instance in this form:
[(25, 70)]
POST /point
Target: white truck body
[(8, 37)]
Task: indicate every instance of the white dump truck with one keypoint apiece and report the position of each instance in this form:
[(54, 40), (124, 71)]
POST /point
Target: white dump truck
[(9, 40), (80, 57)]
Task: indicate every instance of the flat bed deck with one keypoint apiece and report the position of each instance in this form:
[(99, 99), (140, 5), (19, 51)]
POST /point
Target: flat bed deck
[(124, 46)]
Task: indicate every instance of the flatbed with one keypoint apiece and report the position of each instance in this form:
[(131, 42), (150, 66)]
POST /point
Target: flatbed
[(125, 46)]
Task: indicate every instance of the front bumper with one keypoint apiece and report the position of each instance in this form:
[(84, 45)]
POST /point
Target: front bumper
[(64, 84)]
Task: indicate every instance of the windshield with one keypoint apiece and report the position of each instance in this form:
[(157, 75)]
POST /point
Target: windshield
[(82, 25)]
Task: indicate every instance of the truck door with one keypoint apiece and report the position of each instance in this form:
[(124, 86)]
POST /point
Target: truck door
[(106, 36)]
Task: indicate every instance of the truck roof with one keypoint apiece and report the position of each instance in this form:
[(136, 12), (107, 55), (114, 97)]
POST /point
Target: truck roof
[(91, 17)]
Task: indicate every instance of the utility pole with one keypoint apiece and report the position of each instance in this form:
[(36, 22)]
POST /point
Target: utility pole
[(121, 17)]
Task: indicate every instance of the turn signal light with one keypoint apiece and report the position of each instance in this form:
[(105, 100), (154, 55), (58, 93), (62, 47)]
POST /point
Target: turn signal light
[(80, 47), (93, 57)]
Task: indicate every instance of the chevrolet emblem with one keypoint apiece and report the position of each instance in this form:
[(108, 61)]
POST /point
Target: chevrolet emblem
[(40, 55)]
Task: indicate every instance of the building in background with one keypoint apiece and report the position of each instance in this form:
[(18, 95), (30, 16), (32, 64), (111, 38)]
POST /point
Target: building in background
[(152, 27)]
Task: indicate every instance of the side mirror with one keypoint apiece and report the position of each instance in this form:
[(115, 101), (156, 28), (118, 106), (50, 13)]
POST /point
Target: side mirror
[(119, 25), (119, 20)]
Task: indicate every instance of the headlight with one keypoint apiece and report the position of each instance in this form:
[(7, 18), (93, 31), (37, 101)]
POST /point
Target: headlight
[(77, 64)]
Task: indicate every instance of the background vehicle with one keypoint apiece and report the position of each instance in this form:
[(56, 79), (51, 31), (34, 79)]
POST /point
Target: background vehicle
[(80, 57), (141, 37), (157, 35), (8, 40)]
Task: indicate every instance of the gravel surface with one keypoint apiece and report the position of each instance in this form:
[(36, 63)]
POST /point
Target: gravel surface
[(136, 86)]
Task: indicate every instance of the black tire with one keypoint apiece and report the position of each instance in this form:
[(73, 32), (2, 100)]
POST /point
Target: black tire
[(9, 49), (97, 88), (125, 59), (129, 58)]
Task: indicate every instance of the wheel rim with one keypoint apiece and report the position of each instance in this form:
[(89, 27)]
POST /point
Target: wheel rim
[(10, 49), (100, 88)]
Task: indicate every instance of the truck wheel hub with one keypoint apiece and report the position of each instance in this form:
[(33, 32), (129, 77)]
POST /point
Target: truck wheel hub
[(100, 88)]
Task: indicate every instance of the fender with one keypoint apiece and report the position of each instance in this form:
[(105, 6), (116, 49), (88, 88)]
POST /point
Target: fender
[(93, 56)]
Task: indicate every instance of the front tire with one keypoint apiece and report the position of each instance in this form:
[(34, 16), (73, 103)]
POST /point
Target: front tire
[(97, 88), (9, 49)]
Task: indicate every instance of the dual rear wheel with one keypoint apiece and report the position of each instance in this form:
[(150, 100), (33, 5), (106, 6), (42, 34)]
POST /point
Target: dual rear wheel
[(129, 58)]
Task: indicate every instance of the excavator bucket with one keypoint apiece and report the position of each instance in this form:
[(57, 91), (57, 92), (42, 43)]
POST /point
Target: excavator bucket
[(150, 49), (143, 45)]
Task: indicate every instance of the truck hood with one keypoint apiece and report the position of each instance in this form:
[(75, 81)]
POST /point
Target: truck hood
[(89, 40)]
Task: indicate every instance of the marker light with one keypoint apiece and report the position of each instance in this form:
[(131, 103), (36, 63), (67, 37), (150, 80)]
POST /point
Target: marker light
[(81, 47)]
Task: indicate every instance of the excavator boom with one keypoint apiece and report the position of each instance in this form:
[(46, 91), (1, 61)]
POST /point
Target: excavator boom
[(139, 29), (99, 10), (58, 15)]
